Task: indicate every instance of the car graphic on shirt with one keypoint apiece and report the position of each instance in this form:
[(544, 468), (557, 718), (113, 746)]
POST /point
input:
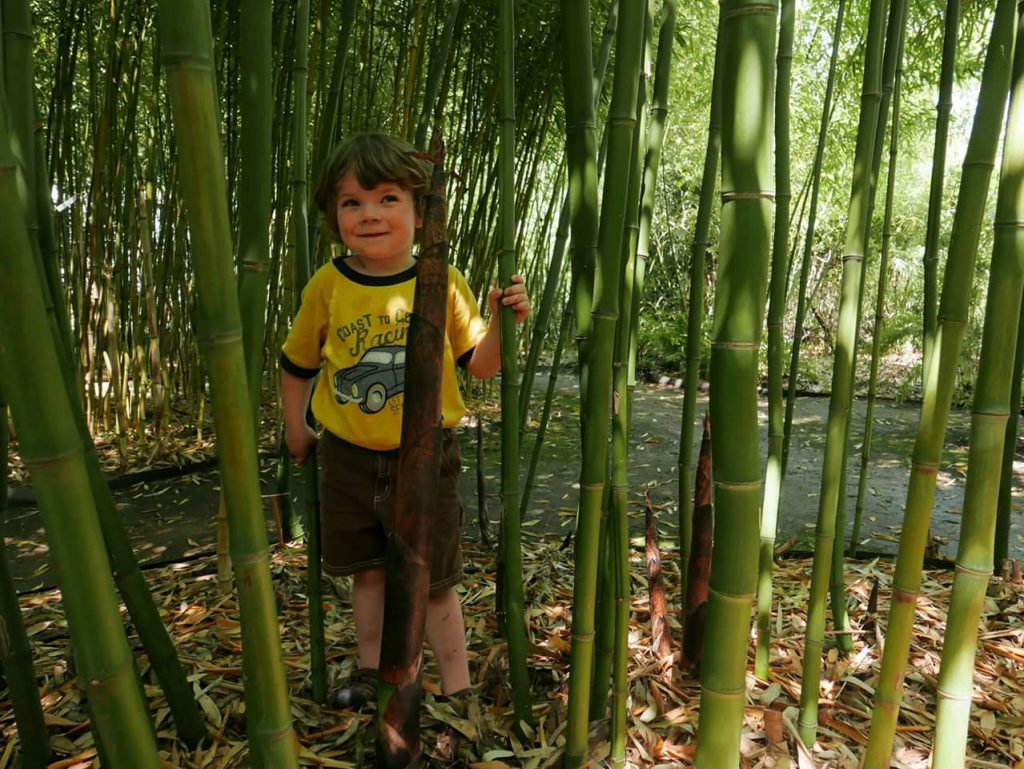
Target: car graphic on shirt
[(379, 375)]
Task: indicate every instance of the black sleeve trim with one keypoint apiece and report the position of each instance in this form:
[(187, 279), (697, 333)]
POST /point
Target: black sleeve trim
[(299, 371), (463, 361)]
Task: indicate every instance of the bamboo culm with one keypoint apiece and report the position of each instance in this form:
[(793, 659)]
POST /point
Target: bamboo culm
[(748, 39), (979, 161), (990, 413)]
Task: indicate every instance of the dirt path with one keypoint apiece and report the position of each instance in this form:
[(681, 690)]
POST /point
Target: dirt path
[(173, 519)]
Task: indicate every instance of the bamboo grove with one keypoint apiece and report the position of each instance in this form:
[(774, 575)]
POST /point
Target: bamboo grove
[(707, 189)]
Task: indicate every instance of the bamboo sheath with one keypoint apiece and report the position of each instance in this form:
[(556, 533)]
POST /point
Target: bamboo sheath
[(407, 563), (748, 39), (990, 412), (515, 611), (605, 311), (51, 447), (187, 59), (839, 402), (970, 209), (776, 312), (934, 221), (695, 321)]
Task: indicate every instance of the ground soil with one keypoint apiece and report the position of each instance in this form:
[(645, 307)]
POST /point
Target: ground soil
[(173, 518)]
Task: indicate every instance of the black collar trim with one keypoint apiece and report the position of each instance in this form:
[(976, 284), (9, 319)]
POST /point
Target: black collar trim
[(342, 265)]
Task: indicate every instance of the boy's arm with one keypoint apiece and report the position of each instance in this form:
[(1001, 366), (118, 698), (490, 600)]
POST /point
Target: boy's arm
[(298, 435), (485, 361)]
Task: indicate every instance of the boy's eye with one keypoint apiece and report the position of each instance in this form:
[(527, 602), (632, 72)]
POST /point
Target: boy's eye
[(390, 199), (347, 203)]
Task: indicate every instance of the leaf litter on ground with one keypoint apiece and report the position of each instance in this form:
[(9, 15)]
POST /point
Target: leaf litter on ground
[(663, 702)]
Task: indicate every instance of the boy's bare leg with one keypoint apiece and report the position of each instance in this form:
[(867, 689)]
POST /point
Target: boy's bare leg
[(446, 633), (368, 613)]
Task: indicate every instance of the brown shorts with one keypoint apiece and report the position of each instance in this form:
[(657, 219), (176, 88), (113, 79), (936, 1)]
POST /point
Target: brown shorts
[(357, 508)]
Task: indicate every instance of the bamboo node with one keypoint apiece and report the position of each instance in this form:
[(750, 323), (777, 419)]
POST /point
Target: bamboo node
[(968, 571), (721, 693), (739, 485), (751, 10), (947, 695), (217, 340), (738, 598), (905, 596), (52, 459), (748, 195), (1011, 225)]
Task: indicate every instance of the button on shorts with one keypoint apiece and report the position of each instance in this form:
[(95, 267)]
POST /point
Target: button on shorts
[(357, 509)]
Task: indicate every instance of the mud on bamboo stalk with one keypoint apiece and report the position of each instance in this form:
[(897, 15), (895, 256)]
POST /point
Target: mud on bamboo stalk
[(953, 311), (407, 563), (839, 402), (988, 430)]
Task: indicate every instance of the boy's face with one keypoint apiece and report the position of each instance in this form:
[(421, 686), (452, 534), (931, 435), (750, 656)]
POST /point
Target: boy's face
[(378, 226)]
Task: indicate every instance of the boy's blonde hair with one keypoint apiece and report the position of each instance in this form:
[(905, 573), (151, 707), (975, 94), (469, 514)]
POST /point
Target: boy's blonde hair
[(373, 158)]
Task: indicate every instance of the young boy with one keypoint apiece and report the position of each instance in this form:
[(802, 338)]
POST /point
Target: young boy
[(352, 322)]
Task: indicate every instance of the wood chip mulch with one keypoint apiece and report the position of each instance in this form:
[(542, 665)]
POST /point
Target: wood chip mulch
[(663, 707)]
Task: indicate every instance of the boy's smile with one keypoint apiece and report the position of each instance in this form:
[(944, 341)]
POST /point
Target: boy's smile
[(378, 225)]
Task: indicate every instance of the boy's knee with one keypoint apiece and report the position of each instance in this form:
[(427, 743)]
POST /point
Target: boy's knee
[(368, 580)]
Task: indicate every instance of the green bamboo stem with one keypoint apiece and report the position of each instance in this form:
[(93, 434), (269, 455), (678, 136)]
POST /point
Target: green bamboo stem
[(879, 321), (50, 445), (776, 312), (515, 610), (988, 431), (695, 319), (977, 170), (812, 218), (1004, 512), (438, 62), (839, 403), (255, 102), (15, 652), (748, 38), (618, 514), (187, 58), (605, 312), (545, 414), (933, 224)]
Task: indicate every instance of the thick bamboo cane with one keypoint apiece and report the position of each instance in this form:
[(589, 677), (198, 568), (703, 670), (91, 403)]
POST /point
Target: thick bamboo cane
[(15, 652), (187, 58), (748, 38), (978, 163), (776, 312), (988, 431), (839, 402), (1005, 509), (52, 450), (511, 533), (621, 120)]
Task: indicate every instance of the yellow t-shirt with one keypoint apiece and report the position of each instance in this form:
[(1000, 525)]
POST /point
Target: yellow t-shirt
[(351, 330)]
